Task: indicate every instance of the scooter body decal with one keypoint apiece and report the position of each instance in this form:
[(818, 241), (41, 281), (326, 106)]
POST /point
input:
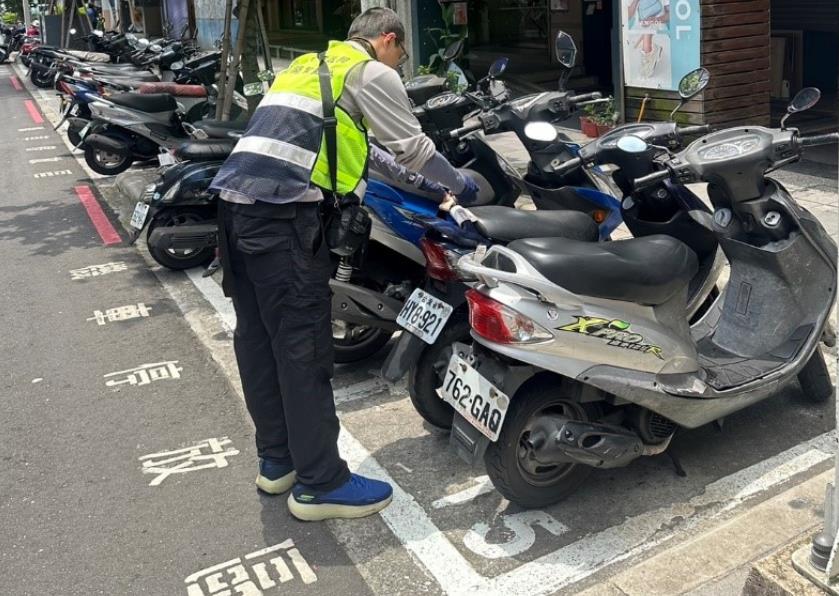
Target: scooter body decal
[(615, 332)]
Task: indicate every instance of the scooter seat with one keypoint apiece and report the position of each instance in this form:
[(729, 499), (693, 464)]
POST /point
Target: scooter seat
[(220, 130), (506, 224), (173, 89), (90, 56), (205, 150), (648, 270), (146, 103)]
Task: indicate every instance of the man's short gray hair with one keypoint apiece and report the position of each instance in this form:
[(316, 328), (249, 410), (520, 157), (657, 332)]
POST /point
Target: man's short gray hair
[(375, 21)]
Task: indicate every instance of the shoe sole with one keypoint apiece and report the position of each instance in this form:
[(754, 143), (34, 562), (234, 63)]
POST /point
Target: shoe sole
[(278, 486), (322, 511)]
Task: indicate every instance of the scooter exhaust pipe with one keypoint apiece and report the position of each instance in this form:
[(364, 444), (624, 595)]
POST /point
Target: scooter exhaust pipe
[(185, 237), (556, 440), (106, 143)]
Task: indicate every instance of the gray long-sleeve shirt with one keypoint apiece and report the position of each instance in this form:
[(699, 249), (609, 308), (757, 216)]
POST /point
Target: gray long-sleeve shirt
[(375, 96)]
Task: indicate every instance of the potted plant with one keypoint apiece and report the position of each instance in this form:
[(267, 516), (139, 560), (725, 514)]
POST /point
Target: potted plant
[(587, 122), (599, 118)]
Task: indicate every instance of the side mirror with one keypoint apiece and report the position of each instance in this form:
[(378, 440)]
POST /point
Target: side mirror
[(498, 67), (566, 49), (632, 144), (566, 54), (544, 132), (453, 50), (803, 100), (691, 85)]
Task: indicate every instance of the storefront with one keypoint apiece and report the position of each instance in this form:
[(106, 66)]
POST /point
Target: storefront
[(637, 50)]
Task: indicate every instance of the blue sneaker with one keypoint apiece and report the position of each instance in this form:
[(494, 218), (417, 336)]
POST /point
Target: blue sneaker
[(274, 477), (357, 497)]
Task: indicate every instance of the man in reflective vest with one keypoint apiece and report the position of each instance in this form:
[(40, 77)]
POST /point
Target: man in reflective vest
[(277, 267)]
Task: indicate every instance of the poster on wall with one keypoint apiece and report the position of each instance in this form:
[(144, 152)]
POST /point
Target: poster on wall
[(660, 41)]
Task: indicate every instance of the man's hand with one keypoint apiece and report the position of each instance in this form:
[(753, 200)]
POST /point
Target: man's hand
[(449, 201)]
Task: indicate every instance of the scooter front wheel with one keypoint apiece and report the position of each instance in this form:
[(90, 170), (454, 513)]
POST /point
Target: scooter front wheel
[(815, 378), (43, 78), (105, 163), (510, 462)]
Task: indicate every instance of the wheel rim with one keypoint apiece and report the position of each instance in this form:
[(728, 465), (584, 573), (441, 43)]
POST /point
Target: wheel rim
[(346, 334), (532, 471), (179, 220), (108, 160)]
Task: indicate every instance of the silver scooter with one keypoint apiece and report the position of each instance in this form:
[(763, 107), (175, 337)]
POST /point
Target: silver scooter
[(583, 356)]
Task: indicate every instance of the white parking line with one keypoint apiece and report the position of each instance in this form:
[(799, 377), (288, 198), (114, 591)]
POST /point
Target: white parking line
[(483, 485), (215, 296)]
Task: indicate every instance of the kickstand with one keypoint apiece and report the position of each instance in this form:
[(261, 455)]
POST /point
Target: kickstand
[(212, 267), (677, 465)]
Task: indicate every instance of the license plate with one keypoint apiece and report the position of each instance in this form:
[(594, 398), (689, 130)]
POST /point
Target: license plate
[(166, 159), (424, 315), (138, 218), (474, 397)]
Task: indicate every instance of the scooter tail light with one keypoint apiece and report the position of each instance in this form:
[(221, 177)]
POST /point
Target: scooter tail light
[(500, 324), (439, 263)]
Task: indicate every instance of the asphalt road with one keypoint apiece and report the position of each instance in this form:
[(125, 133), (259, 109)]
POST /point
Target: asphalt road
[(83, 516), (78, 511)]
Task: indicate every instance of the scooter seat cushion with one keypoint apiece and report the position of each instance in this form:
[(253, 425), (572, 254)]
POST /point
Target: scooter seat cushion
[(173, 89), (90, 56), (146, 103), (648, 270), (506, 224), (220, 130), (205, 150)]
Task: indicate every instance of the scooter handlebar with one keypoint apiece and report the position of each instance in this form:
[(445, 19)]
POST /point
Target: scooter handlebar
[(699, 129), (464, 130), (568, 166), (585, 97), (812, 141), (650, 179)]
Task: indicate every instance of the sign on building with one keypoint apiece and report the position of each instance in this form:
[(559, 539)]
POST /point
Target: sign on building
[(660, 41)]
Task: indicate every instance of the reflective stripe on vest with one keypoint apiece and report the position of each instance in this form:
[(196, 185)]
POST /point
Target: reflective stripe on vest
[(283, 151)]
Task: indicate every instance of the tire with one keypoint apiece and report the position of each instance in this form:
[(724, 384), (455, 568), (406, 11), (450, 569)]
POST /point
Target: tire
[(179, 260), (107, 164), (370, 341), (42, 78), (543, 485), (815, 378), (424, 377)]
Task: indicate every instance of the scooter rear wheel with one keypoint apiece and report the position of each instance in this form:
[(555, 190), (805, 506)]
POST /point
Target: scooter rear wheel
[(361, 343), (509, 462), (107, 164), (815, 378), (428, 374), (179, 259), (43, 78)]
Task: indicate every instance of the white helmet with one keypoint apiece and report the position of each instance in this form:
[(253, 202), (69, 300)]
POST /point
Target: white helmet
[(36, 23)]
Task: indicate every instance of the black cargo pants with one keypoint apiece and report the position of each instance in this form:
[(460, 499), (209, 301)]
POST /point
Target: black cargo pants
[(277, 270)]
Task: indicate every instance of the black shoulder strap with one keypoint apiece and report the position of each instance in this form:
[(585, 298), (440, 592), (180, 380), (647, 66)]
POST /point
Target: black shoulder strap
[(330, 123)]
